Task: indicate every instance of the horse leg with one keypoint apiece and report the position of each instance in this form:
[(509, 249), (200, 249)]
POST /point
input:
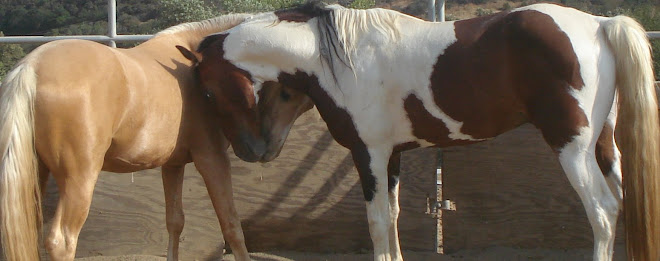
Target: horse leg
[(371, 165), (174, 218), (609, 157), (609, 161), (215, 170), (75, 180), (393, 169), (43, 177), (587, 179)]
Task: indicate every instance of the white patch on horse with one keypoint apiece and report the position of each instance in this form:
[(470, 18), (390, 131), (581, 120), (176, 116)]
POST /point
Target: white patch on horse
[(402, 67), (379, 221), (251, 48), (586, 178)]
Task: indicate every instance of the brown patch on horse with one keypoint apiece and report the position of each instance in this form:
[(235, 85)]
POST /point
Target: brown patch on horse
[(210, 40), (426, 126), (340, 124), (405, 146), (220, 72), (393, 170), (605, 150), (507, 69)]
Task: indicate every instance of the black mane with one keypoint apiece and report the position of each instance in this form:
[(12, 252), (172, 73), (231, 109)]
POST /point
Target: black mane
[(208, 40), (330, 46), (304, 12)]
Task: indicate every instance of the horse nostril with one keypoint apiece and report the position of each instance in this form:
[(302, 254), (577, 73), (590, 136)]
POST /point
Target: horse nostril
[(259, 147), (264, 134)]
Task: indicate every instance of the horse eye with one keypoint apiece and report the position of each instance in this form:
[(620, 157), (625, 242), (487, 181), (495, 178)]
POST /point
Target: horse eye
[(208, 95), (285, 95)]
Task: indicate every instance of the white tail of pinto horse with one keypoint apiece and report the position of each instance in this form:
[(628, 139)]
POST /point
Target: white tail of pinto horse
[(20, 202), (639, 134)]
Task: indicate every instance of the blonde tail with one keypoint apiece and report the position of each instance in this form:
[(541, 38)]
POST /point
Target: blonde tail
[(639, 133), (20, 202)]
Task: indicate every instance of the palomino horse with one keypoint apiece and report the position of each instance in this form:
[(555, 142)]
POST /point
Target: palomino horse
[(74, 108), (385, 82)]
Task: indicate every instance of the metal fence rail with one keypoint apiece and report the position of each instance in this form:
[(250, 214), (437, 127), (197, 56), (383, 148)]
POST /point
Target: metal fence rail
[(653, 34), (111, 38), (96, 38)]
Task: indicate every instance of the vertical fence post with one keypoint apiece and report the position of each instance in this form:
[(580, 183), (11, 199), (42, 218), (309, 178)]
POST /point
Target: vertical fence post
[(431, 15), (440, 7), (112, 22), (436, 10)]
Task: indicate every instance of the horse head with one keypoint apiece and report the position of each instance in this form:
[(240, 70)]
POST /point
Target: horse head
[(279, 106), (229, 91), (259, 113)]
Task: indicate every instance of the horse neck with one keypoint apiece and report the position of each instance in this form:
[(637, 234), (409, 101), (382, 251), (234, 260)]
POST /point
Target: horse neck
[(381, 70), (189, 35)]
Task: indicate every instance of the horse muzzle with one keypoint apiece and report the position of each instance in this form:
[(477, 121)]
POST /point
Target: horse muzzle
[(271, 153), (248, 148)]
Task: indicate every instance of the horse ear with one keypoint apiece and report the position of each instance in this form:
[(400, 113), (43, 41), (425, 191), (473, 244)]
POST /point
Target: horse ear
[(190, 55)]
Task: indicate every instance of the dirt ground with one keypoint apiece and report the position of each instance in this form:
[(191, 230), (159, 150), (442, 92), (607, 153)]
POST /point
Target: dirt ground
[(490, 254)]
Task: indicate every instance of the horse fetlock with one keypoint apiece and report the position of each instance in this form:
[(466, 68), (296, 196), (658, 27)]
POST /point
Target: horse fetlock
[(59, 248)]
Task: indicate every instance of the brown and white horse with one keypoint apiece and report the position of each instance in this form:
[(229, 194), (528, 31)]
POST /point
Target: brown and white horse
[(385, 82), (73, 108)]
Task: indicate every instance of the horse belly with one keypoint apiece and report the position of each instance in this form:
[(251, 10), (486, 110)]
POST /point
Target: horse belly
[(438, 128), (142, 150)]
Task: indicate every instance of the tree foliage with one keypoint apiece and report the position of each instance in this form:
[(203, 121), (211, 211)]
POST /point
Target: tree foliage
[(247, 6), (9, 55), (182, 11)]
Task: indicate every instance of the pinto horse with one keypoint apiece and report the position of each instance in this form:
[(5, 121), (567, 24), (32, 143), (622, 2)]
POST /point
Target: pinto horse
[(73, 108), (385, 82)]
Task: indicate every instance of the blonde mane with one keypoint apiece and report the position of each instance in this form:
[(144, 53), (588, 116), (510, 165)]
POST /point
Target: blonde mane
[(206, 25), (351, 23), (340, 30)]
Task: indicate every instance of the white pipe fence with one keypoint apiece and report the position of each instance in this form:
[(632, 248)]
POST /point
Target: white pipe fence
[(111, 38), (436, 10), (653, 34)]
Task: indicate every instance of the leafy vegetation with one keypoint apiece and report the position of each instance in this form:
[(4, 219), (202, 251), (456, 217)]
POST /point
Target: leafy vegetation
[(9, 55), (177, 11), (244, 6), (649, 16)]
